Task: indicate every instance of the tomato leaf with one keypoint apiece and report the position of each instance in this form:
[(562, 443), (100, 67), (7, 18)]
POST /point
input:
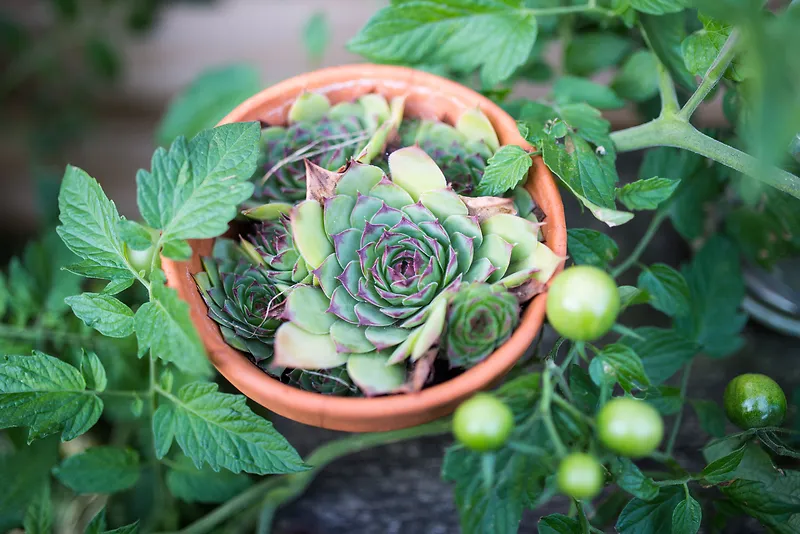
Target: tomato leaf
[(205, 485), (663, 352), (106, 314), (99, 470), (711, 416), (667, 288), (631, 479), (619, 363), (716, 289), (637, 79), (93, 372), (495, 36), (507, 168), (47, 396), (723, 469), (686, 517), (659, 7), (650, 517), (590, 247), (193, 190), (589, 52), (39, 513), (569, 89), (646, 194), (558, 524), (664, 35), (220, 430)]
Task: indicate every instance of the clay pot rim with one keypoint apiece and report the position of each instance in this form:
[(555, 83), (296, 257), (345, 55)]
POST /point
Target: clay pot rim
[(394, 411)]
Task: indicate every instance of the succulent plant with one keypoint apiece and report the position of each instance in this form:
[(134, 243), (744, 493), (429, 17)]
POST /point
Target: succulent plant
[(387, 255), (271, 246), (243, 299), (326, 135), (334, 381), (481, 317), (460, 152)]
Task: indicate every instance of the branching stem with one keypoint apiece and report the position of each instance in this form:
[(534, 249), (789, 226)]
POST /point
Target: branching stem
[(712, 76), (642, 245)]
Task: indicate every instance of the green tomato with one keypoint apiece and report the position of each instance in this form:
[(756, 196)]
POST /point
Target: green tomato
[(583, 303), (630, 427), (580, 476), (483, 423), (754, 401)]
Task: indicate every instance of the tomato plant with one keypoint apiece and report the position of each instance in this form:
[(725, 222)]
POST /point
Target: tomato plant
[(112, 390)]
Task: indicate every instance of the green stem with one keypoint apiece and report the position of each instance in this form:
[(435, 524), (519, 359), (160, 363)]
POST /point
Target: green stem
[(585, 527), (669, 100), (674, 132), (544, 409), (123, 394), (641, 246), (282, 489), (38, 333), (679, 417), (712, 76), (566, 406)]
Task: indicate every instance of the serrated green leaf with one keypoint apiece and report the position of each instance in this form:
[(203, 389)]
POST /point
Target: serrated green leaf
[(619, 363), (205, 485), (220, 430), (115, 287), (93, 372), (667, 288), (89, 226), (39, 513), (194, 189), (659, 7), (646, 194), (589, 52), (47, 396), (723, 469), (650, 517), (778, 496), (630, 478), (666, 399), (507, 168), (716, 290), (495, 36), (99, 470), (134, 234), (133, 528), (637, 79), (686, 517), (664, 34), (104, 313), (573, 89), (630, 296), (316, 35), (23, 473), (702, 47), (585, 394), (210, 97), (711, 417), (178, 250), (590, 247), (663, 351), (559, 524), (164, 326)]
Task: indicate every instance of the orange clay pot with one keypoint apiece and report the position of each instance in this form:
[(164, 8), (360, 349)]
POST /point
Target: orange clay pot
[(430, 97)]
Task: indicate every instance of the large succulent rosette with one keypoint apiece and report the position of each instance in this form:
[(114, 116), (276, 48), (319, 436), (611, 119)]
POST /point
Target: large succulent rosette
[(387, 255)]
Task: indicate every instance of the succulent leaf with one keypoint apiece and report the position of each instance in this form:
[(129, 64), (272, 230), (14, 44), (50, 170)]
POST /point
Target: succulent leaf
[(476, 127), (413, 170), (309, 107), (373, 376), (298, 349)]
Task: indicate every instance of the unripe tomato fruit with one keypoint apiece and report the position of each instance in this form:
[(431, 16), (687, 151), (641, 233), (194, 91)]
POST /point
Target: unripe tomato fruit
[(583, 303), (754, 401), (580, 476), (483, 423), (630, 427)]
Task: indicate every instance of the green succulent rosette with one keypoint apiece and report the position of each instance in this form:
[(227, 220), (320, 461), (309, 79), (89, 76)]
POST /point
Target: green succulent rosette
[(328, 136), (481, 317), (243, 299), (387, 255)]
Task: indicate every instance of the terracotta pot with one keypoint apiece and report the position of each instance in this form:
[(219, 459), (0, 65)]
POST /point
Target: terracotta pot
[(431, 97)]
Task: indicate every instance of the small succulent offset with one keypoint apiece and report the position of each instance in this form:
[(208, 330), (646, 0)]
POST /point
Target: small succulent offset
[(480, 319), (326, 135)]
